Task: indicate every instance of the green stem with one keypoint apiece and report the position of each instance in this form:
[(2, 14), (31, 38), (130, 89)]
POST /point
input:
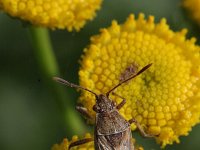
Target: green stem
[(49, 68)]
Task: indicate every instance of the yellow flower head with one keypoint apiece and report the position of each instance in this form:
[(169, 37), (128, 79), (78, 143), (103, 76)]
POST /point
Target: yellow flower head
[(193, 6), (165, 99), (87, 146), (70, 14)]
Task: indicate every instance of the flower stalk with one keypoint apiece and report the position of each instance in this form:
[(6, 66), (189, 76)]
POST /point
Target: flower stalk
[(48, 66)]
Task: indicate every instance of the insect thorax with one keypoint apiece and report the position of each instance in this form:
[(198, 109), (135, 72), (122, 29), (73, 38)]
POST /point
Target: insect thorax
[(103, 104)]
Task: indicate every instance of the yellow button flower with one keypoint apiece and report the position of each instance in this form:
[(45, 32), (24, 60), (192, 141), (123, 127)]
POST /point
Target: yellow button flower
[(69, 14), (165, 99), (193, 6), (87, 146)]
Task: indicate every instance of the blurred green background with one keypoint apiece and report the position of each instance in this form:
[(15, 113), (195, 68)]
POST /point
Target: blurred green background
[(29, 115)]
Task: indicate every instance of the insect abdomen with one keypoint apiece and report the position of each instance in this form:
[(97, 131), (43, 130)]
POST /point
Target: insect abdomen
[(118, 141)]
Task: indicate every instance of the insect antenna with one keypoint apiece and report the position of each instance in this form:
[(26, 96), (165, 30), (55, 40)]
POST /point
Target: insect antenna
[(62, 81), (139, 72)]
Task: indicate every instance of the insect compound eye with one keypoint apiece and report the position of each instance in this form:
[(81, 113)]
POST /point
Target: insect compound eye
[(96, 108)]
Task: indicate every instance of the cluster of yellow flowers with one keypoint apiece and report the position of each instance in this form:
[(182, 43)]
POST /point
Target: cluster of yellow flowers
[(193, 6), (165, 99), (70, 14)]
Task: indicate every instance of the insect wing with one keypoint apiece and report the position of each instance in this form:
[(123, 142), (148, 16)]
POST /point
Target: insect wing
[(112, 132), (110, 123), (118, 141)]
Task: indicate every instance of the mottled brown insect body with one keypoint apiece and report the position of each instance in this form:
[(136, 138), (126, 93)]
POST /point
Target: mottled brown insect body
[(112, 131), (117, 141)]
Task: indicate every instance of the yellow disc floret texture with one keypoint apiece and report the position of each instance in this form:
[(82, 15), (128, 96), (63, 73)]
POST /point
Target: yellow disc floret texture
[(193, 7), (165, 99), (69, 14)]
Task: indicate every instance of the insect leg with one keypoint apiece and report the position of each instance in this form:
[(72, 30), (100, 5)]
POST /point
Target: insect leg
[(142, 132), (83, 111), (120, 105), (80, 142)]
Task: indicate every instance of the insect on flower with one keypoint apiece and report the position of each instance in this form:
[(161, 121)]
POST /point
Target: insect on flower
[(112, 131)]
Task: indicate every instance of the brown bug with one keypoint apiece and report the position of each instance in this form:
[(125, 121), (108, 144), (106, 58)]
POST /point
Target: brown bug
[(112, 131)]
